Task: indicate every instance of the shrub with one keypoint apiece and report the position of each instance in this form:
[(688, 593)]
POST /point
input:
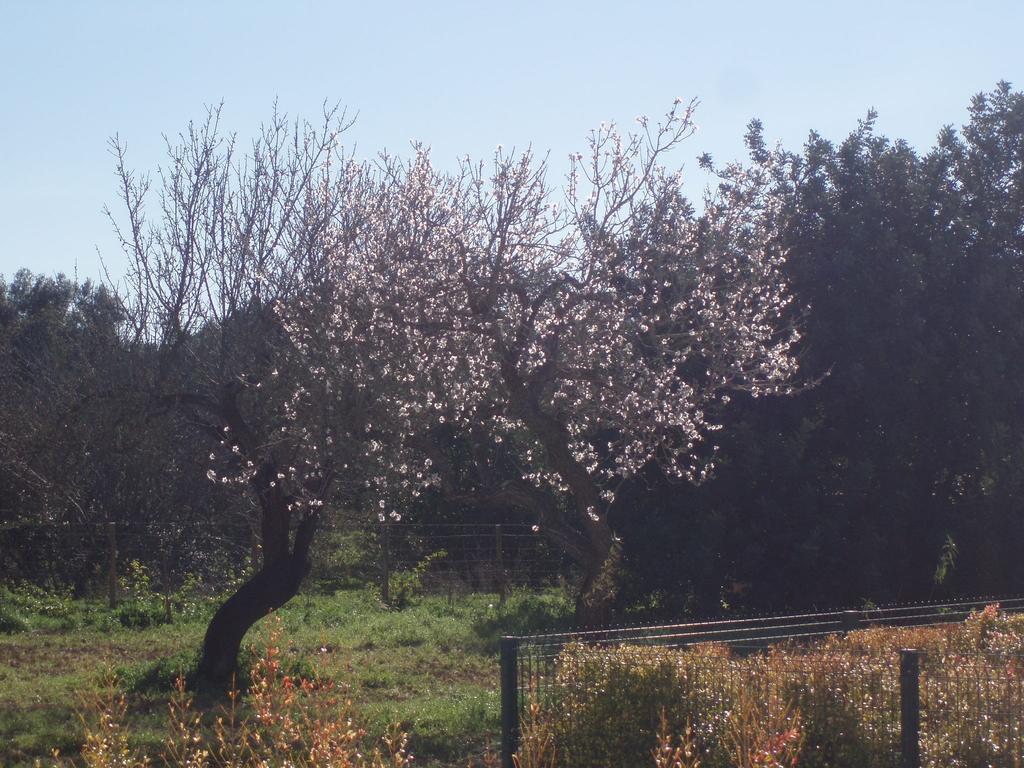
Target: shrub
[(26, 606), (835, 702), (136, 582), (405, 586), (605, 702), (283, 720), (537, 742), (524, 613), (10, 621), (668, 754), (139, 614), (763, 733), (31, 600), (344, 559)]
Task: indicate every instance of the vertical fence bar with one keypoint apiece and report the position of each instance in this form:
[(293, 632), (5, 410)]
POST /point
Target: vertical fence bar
[(509, 700), (910, 708), (385, 584), (165, 577), (499, 563), (112, 565), (850, 621)]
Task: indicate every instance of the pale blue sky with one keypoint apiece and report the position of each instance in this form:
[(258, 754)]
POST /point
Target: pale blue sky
[(461, 77)]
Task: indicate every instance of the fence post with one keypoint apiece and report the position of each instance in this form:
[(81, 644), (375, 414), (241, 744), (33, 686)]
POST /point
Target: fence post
[(850, 620), (112, 565), (165, 576), (910, 708), (385, 587), (500, 558), (509, 700)]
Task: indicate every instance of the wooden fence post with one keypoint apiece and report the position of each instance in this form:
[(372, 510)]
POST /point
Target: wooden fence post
[(500, 563), (112, 565), (165, 576), (385, 587)]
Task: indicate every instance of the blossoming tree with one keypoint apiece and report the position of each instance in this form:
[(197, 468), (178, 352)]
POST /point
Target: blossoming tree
[(576, 339), (332, 326), (229, 238)]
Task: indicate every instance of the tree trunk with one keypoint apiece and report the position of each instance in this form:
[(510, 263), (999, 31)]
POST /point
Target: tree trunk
[(594, 549), (285, 563), (276, 583), (273, 586), (599, 585)]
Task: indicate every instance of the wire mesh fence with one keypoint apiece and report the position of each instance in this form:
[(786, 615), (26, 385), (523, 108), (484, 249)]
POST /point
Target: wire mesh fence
[(601, 695), (604, 703), (972, 710), (96, 559), (468, 556)]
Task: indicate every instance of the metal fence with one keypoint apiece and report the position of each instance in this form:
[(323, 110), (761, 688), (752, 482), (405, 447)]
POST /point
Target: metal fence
[(95, 559), (457, 557), (602, 692), (972, 710)]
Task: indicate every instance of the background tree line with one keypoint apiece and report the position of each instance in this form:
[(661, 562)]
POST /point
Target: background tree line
[(894, 475), (897, 477)]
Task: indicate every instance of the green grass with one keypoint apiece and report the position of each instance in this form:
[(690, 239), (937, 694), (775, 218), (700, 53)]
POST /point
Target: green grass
[(431, 667)]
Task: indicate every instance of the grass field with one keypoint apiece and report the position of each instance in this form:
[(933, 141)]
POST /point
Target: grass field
[(432, 670), (431, 667)]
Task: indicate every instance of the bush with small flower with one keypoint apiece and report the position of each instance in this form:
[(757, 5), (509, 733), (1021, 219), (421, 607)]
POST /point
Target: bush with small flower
[(281, 721), (833, 703)]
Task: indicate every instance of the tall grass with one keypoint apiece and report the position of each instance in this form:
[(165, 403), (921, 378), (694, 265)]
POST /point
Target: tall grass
[(280, 721), (431, 667)]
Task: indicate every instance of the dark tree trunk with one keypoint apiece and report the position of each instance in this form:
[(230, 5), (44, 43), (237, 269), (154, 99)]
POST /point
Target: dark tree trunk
[(277, 582), (593, 545), (599, 586), (285, 561), (272, 586)]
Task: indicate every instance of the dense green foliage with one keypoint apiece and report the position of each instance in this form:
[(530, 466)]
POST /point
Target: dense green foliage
[(898, 476), (81, 444)]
